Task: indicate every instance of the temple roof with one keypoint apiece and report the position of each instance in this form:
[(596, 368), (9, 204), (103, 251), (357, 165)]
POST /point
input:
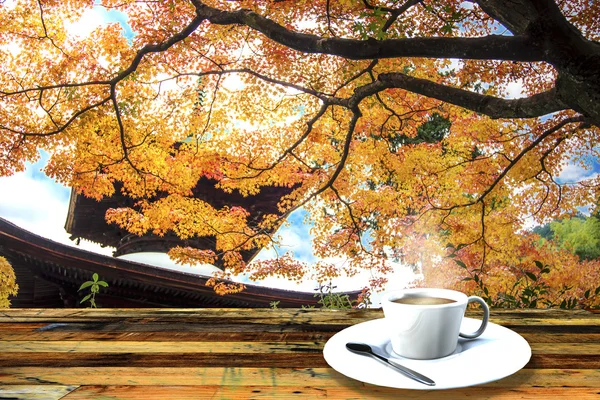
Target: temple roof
[(86, 219), (58, 270)]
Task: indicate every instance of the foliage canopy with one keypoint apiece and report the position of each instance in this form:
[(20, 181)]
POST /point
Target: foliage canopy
[(325, 97)]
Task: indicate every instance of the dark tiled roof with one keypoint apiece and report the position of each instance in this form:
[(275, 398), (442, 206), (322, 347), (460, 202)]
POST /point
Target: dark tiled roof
[(86, 218), (49, 274)]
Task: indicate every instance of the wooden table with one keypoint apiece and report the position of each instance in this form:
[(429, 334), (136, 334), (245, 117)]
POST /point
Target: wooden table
[(261, 353)]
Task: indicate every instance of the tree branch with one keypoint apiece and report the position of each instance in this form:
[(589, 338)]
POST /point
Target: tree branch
[(516, 15), (530, 107), (526, 150), (394, 12), (64, 126), (492, 47)]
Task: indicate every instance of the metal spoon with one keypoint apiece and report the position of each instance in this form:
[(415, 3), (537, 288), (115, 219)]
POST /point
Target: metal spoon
[(365, 349)]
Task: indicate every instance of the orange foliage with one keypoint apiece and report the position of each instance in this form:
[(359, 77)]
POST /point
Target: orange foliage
[(330, 98), (222, 287), (557, 274), (8, 283)]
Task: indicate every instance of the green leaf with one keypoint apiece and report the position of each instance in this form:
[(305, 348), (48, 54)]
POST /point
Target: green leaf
[(467, 279), (533, 304), (95, 277), (587, 294), (456, 15), (461, 264), (531, 276), (545, 270), (86, 298), (102, 283), (485, 290), (563, 304), (597, 290), (476, 278), (447, 28), (86, 284), (539, 264)]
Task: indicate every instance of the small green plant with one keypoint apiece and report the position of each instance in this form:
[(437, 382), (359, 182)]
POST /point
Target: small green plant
[(274, 304), (94, 286), (330, 300)]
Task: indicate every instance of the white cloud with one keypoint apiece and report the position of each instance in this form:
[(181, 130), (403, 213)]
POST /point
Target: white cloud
[(89, 21), (35, 203), (297, 239), (515, 89), (162, 260), (574, 173), (95, 17), (294, 238), (233, 82)]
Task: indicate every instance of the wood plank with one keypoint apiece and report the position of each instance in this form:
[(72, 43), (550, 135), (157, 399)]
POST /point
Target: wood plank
[(320, 377), (311, 392), (265, 348), (210, 335), (35, 392), (167, 347), (240, 332), (281, 316), (173, 359), (283, 359), (141, 354), (188, 312)]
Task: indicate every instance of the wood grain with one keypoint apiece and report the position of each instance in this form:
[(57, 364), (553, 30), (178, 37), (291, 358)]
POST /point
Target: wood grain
[(310, 392), (34, 392), (259, 353), (235, 376)]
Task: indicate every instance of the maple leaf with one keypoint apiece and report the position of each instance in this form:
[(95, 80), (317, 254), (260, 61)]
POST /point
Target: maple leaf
[(386, 122)]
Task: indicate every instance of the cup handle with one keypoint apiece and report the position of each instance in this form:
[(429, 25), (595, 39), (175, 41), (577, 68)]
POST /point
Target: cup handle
[(486, 317)]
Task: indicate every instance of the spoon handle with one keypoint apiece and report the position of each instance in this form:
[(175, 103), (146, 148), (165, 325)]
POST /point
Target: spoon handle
[(406, 371), (411, 374)]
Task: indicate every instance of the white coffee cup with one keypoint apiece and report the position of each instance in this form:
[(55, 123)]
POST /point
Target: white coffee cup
[(427, 331)]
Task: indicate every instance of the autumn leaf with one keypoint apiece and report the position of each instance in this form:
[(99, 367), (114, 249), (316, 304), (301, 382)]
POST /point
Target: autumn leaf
[(391, 123)]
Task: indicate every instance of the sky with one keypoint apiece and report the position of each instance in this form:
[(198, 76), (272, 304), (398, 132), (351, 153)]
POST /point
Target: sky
[(38, 204)]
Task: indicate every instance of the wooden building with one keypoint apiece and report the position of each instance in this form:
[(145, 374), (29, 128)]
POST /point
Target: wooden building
[(86, 219), (50, 273)]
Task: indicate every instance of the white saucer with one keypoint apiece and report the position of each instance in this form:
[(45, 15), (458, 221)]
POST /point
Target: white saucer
[(498, 353)]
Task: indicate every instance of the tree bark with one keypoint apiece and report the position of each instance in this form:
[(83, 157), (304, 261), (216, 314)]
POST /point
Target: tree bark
[(541, 33)]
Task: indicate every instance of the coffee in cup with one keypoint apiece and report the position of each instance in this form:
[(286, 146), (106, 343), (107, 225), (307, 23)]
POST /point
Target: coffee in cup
[(425, 323)]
